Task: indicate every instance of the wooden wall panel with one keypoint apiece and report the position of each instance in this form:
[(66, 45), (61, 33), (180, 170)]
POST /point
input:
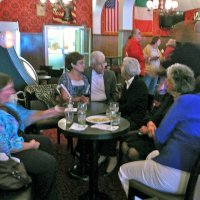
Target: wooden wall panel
[(106, 43)]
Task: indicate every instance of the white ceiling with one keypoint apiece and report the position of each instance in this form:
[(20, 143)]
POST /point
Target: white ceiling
[(188, 4)]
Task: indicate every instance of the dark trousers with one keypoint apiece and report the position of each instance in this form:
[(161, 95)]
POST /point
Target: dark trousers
[(41, 166)]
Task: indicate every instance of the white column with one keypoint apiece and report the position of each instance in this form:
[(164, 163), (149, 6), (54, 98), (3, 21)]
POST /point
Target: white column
[(97, 7), (126, 14)]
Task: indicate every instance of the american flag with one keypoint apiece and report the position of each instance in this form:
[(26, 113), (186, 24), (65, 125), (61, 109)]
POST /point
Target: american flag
[(110, 4), (110, 11)]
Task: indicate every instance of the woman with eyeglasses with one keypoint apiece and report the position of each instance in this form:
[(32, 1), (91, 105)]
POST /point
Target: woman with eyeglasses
[(35, 151), (74, 80)]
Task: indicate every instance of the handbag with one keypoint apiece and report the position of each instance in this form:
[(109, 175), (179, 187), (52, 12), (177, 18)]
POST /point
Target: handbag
[(13, 175)]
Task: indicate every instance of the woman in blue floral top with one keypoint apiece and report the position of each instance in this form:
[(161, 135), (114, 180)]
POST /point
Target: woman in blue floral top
[(76, 83), (33, 150)]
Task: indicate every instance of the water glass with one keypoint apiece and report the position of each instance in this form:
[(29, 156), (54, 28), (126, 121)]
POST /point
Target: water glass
[(69, 116), (81, 119), (116, 116), (82, 107), (108, 113), (114, 106)]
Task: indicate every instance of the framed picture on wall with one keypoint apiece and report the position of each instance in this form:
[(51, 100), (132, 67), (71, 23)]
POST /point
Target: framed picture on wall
[(40, 10)]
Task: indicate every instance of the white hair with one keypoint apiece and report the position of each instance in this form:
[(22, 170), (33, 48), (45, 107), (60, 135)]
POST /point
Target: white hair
[(183, 77), (131, 67), (95, 55)]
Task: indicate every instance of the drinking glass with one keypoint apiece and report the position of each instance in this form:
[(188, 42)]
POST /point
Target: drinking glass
[(81, 119), (112, 118), (69, 116), (116, 118), (114, 106), (108, 113), (82, 107)]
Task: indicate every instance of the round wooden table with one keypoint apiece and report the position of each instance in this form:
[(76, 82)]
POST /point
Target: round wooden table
[(94, 135)]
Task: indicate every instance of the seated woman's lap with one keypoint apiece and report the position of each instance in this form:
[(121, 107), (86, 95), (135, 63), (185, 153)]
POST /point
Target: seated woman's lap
[(37, 161), (154, 175), (42, 167), (142, 143)]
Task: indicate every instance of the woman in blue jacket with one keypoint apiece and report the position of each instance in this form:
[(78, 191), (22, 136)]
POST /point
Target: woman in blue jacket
[(177, 139)]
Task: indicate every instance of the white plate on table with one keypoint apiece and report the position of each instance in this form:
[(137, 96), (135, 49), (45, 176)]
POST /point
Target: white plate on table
[(98, 119)]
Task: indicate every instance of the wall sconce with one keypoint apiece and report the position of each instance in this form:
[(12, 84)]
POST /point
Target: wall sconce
[(7, 39)]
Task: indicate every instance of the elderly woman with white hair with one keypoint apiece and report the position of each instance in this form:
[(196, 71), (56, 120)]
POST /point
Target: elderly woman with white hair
[(133, 102), (177, 139), (132, 105)]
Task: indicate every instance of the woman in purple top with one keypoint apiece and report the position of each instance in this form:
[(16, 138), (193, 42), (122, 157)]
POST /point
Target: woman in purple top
[(177, 139)]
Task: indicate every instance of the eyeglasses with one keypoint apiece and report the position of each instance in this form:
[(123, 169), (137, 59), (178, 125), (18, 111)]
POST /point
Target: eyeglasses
[(80, 62)]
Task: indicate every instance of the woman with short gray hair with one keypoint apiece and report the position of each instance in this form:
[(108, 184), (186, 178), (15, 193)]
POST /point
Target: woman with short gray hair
[(133, 102), (177, 139), (182, 77), (131, 67), (132, 105)]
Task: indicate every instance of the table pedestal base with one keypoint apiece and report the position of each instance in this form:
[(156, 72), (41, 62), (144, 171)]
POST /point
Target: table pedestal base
[(94, 196), (76, 172)]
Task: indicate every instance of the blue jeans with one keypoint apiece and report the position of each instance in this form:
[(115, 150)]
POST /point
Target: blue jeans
[(151, 83)]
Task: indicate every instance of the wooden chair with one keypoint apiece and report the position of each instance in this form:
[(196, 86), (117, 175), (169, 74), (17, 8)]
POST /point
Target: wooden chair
[(192, 192)]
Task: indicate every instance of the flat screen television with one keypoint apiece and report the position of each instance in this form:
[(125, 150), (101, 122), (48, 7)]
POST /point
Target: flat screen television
[(168, 20)]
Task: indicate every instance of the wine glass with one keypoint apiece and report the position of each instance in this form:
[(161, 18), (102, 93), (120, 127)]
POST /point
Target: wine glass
[(82, 106), (114, 106)]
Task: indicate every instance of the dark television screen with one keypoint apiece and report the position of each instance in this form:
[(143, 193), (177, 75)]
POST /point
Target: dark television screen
[(168, 20)]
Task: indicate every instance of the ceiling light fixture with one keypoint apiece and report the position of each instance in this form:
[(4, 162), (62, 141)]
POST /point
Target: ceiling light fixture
[(63, 3), (162, 5)]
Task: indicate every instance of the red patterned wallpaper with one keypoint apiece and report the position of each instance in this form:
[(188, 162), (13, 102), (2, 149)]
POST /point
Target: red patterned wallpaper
[(24, 11)]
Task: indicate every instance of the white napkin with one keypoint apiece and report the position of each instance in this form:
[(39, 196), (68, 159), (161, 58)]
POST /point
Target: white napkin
[(105, 127), (70, 109), (77, 127), (59, 108)]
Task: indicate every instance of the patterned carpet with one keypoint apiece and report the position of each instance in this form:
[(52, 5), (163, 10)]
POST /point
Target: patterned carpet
[(70, 189)]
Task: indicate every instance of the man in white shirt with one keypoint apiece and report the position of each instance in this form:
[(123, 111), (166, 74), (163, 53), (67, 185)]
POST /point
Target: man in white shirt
[(102, 81), (103, 89)]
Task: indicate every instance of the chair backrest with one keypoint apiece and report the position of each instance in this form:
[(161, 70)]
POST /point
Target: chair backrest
[(46, 93), (193, 188)]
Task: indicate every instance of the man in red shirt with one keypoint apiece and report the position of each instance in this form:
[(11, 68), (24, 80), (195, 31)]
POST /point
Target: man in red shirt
[(134, 49)]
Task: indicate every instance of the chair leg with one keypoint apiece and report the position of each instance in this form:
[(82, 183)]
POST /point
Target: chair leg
[(131, 195)]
